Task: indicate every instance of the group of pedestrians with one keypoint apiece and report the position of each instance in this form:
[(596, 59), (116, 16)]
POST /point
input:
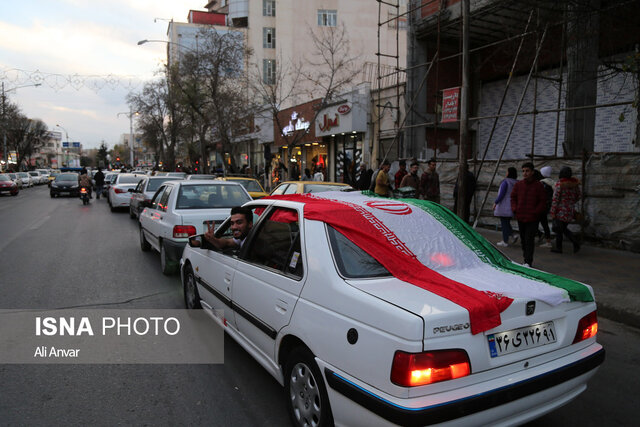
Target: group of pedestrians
[(530, 201)]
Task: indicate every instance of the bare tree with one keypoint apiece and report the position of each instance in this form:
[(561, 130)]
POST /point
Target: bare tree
[(25, 135), (213, 88)]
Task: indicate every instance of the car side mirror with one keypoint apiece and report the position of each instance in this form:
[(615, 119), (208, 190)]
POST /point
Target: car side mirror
[(131, 190), (198, 241)]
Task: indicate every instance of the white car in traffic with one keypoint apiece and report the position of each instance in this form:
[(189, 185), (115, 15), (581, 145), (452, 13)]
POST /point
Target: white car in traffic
[(119, 195), (180, 209), (372, 311)]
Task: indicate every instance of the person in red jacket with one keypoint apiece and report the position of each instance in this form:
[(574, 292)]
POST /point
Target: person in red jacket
[(528, 202)]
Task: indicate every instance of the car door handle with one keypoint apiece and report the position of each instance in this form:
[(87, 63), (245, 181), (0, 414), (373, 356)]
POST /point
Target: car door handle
[(227, 278), (281, 306)]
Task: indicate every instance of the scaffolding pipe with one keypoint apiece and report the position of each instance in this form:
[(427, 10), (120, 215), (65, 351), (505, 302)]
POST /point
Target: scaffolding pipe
[(462, 210), (564, 48), (504, 96), (535, 92), (513, 123)]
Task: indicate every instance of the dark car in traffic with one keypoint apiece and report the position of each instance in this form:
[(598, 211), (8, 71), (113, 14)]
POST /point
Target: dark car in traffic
[(65, 184)]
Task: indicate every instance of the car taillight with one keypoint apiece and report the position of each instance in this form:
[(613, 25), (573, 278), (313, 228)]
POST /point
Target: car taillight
[(119, 190), (587, 327), (183, 231), (416, 369), (83, 190)]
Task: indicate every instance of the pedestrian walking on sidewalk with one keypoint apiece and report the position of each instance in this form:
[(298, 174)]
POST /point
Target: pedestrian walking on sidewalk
[(565, 196), (528, 202), (502, 207), (547, 184), (430, 183)]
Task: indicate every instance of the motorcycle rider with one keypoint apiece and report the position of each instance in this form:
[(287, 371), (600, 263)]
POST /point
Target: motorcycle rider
[(99, 177), (85, 181)]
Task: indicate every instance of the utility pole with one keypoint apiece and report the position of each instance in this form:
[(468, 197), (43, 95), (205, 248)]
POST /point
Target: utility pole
[(4, 131), (462, 210)]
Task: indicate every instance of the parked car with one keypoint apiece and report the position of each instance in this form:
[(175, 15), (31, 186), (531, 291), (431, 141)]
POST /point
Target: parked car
[(143, 193), (366, 329), (65, 184), (301, 187), (183, 208), (27, 180), (37, 177), (15, 178), (250, 184), (119, 195), (7, 185), (45, 173)]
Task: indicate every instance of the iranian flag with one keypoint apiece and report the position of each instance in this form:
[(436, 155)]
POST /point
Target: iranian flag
[(424, 244)]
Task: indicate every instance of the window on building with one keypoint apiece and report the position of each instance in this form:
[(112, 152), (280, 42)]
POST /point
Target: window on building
[(269, 38), (269, 71), (327, 18), (268, 7)]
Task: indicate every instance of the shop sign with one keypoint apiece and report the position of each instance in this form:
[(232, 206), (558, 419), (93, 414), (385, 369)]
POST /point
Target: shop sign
[(328, 123), (296, 123), (450, 99), (344, 109)]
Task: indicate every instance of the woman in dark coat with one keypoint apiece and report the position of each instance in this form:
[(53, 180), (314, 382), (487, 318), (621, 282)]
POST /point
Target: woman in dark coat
[(566, 194)]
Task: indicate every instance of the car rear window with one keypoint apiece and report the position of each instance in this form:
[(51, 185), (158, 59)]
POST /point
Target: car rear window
[(125, 179), (319, 188), (154, 184), (353, 262), (248, 184), (210, 196)]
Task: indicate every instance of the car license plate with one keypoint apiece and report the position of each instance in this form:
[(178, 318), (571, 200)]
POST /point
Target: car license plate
[(520, 339)]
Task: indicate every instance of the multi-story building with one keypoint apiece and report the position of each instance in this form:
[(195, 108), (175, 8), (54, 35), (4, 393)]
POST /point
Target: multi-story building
[(281, 36)]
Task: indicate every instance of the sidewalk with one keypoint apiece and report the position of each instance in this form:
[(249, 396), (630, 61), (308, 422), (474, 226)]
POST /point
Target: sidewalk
[(614, 275)]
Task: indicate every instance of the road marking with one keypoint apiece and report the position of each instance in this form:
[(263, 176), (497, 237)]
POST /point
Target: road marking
[(39, 223)]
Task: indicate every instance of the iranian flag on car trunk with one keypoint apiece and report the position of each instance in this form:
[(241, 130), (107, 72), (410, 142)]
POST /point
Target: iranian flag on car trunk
[(424, 244)]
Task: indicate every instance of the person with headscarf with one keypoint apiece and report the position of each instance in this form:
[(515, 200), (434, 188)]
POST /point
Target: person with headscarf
[(566, 194), (502, 207)]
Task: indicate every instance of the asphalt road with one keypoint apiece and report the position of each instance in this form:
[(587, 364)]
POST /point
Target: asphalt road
[(56, 253)]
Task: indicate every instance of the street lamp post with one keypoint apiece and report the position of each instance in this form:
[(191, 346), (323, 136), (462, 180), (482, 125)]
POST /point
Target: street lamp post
[(130, 114), (67, 150), (4, 112)]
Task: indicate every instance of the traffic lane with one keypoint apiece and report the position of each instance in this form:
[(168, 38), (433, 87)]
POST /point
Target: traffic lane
[(611, 395), (79, 256), (238, 392)]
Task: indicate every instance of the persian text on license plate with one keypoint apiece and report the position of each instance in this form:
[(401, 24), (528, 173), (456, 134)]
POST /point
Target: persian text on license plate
[(532, 336)]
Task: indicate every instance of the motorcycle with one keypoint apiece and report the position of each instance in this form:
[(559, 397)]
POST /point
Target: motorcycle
[(84, 195)]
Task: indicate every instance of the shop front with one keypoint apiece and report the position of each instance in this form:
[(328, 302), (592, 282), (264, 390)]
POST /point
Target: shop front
[(342, 128)]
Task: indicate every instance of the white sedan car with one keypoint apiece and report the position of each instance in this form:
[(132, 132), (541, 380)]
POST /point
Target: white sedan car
[(371, 311), (119, 195), (180, 209)]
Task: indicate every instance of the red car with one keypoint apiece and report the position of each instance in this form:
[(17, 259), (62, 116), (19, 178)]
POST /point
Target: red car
[(8, 186)]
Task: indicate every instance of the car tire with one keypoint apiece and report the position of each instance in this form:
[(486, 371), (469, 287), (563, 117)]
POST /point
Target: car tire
[(166, 265), (306, 394), (144, 245), (131, 214), (191, 295), (112, 208)]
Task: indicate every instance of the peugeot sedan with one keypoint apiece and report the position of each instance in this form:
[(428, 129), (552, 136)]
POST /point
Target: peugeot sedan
[(301, 187), (183, 208), (372, 311), (8, 186)]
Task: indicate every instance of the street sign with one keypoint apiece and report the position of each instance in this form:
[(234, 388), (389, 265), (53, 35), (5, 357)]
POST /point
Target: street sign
[(65, 144), (76, 145)]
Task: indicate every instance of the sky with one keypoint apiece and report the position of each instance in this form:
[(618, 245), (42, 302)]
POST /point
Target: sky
[(86, 57)]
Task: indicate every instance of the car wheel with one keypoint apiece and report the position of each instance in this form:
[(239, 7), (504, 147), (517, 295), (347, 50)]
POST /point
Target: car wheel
[(144, 245), (131, 214), (113, 208), (306, 394), (191, 296), (167, 266)]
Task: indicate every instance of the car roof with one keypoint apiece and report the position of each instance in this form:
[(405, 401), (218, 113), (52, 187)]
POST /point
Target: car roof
[(315, 182)]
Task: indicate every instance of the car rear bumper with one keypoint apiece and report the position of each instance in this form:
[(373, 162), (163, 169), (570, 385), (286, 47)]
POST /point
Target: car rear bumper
[(174, 249), (75, 192), (120, 200), (517, 401)]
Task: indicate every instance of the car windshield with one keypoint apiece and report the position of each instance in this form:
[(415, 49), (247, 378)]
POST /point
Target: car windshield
[(23, 175), (248, 184), (4, 178), (179, 174), (67, 177), (154, 184), (34, 174), (129, 179), (202, 176), (210, 196), (319, 188)]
